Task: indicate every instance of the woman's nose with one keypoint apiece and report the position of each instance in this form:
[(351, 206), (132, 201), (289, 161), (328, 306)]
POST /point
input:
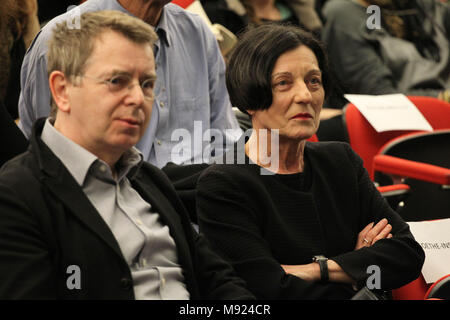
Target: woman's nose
[(302, 93)]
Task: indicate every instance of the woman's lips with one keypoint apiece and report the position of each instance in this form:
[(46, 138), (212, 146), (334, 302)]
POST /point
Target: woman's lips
[(302, 116)]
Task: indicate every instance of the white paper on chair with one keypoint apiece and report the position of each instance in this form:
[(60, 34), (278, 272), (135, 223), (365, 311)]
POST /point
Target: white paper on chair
[(389, 112), (434, 237)]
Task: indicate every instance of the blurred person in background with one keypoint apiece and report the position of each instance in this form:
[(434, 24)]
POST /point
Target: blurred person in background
[(18, 26), (403, 49), (236, 15)]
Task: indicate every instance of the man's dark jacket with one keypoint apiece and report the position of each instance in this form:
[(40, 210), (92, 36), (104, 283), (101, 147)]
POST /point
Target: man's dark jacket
[(47, 225)]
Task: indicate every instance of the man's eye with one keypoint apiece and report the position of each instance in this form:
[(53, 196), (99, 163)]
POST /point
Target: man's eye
[(148, 84), (119, 81)]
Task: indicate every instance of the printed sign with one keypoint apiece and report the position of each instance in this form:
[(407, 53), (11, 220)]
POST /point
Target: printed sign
[(389, 112), (434, 237)]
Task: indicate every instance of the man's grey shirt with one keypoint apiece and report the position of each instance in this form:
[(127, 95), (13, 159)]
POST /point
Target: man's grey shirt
[(145, 242)]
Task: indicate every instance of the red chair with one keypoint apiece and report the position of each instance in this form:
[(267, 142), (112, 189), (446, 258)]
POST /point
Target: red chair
[(422, 161), (428, 200), (366, 142)]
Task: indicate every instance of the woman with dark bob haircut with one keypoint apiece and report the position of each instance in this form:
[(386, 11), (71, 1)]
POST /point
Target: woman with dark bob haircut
[(297, 219), (249, 73)]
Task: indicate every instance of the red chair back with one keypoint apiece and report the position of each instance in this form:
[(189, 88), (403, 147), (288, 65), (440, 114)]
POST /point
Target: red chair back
[(366, 142)]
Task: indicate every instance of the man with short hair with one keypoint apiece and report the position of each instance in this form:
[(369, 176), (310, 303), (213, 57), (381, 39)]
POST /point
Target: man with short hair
[(81, 215), (190, 93)]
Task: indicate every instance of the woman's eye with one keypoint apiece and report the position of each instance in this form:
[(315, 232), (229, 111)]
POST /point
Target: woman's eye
[(281, 84), (315, 81)]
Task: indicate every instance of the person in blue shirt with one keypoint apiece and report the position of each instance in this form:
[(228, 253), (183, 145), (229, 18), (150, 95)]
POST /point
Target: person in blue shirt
[(190, 93)]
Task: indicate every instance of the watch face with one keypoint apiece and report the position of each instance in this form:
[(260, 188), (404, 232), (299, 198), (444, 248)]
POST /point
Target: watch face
[(317, 258)]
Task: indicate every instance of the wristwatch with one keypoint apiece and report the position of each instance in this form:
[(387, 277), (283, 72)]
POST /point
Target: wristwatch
[(322, 261)]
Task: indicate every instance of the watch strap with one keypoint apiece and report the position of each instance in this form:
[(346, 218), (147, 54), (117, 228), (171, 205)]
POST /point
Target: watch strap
[(323, 265)]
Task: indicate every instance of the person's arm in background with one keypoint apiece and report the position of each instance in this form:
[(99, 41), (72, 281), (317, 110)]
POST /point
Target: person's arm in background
[(34, 100), (33, 26)]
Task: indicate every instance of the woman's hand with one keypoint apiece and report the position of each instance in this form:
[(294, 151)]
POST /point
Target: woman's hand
[(367, 237), (371, 234)]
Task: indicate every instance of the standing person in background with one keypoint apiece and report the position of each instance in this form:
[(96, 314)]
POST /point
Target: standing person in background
[(190, 93)]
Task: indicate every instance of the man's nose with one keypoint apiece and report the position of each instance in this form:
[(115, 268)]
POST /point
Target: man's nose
[(135, 93)]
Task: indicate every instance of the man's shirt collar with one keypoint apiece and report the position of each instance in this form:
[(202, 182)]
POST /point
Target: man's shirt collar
[(79, 161), (162, 29)]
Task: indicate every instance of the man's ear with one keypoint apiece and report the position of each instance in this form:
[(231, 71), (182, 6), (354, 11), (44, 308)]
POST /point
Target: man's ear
[(59, 83)]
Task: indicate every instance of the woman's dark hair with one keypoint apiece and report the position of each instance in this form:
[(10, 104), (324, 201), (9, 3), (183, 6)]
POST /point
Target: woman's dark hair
[(249, 70)]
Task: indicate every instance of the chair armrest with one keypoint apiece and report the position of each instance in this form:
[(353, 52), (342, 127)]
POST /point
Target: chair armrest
[(395, 194), (412, 169), (393, 190)]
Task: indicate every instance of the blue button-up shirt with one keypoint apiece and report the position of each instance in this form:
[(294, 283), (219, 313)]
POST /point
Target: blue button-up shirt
[(191, 106)]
